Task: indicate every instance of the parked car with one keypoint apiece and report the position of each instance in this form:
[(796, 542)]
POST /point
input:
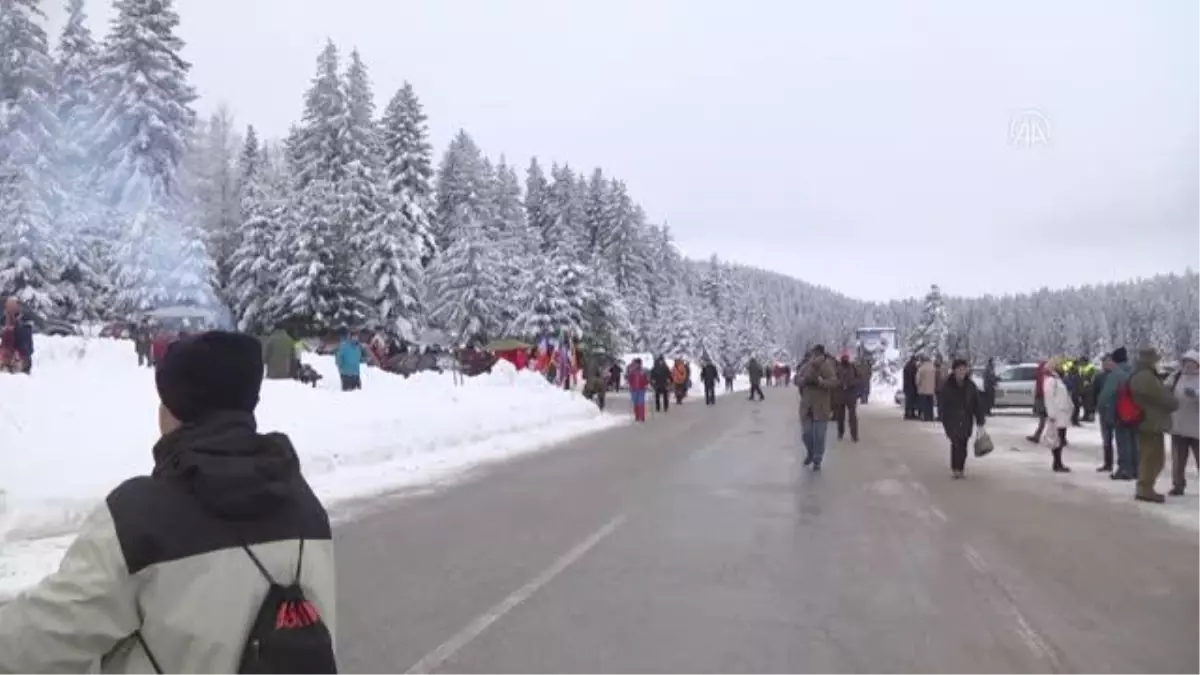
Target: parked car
[(1016, 386), (48, 326)]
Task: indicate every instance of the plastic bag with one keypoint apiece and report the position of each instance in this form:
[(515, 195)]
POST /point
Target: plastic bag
[(983, 444)]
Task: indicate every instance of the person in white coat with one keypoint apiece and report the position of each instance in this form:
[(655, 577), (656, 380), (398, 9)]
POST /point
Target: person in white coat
[(1059, 408)]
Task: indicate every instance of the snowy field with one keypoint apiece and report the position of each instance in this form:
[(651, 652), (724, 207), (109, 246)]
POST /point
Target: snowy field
[(86, 420), (1031, 463)]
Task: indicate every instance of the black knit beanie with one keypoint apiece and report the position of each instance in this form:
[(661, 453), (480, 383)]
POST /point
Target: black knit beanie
[(1120, 355), (210, 372)]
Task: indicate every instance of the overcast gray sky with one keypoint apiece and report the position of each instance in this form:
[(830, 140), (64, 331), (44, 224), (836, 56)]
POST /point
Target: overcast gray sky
[(872, 147)]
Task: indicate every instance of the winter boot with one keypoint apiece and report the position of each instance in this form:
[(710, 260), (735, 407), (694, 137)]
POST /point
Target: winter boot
[(1058, 466)]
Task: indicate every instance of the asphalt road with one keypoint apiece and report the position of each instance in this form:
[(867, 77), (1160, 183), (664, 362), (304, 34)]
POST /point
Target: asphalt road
[(696, 543)]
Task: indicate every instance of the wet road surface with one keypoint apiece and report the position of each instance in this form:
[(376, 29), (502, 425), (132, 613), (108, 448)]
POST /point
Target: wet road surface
[(697, 543)]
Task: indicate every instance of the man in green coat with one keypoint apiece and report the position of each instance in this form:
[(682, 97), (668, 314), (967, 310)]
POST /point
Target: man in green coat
[(817, 380), (1157, 404), (279, 353)]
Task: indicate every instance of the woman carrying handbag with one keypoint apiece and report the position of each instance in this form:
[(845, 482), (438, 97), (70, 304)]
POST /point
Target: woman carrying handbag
[(962, 412)]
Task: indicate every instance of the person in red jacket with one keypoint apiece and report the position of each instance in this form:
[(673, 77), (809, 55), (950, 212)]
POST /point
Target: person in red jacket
[(158, 346), (638, 382)]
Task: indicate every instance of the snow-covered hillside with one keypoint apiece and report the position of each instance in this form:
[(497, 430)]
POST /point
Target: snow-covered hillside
[(86, 420)]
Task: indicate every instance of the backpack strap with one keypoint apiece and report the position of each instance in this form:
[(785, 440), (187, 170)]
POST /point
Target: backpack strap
[(263, 569), (149, 654)]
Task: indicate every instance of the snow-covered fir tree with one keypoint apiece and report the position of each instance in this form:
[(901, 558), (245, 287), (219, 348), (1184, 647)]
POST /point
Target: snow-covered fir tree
[(606, 321), (255, 263), (211, 193), (334, 203), (554, 299), (537, 205), (84, 231), (75, 96), (316, 290), (460, 189), (143, 131), (929, 339), (317, 146), (463, 284), (565, 236), (395, 272), (141, 136), (676, 328), (30, 257), (361, 188), (408, 165), (25, 245)]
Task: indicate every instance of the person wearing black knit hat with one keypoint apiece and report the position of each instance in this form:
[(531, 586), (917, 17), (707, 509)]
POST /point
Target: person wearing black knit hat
[(173, 572), (206, 374)]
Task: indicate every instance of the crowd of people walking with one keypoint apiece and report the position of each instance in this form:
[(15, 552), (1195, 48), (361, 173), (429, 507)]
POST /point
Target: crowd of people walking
[(1138, 411)]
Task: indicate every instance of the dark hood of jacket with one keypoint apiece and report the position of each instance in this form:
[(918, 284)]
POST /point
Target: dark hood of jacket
[(235, 472)]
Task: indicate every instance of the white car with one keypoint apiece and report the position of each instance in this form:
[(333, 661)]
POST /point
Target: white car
[(1016, 386)]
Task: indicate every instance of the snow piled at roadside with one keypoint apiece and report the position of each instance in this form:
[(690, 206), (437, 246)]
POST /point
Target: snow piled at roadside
[(86, 420)]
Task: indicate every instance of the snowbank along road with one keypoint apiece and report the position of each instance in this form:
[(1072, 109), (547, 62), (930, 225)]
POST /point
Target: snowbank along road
[(696, 543)]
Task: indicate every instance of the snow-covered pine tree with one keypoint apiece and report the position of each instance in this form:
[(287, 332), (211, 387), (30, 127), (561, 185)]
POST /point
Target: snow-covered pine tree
[(143, 131), (408, 165), (598, 214), (516, 245), (142, 135), (930, 336), (361, 189), (509, 211), (332, 150), (616, 225), (537, 205), (394, 268), (83, 228), (460, 187), (210, 182), (606, 323), (30, 259), (25, 245), (565, 215), (316, 291), (463, 284), (249, 160), (75, 97), (553, 300), (254, 265), (486, 199), (28, 124), (676, 330), (317, 146)]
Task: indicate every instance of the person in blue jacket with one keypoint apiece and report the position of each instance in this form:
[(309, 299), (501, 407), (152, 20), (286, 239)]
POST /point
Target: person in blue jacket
[(349, 358)]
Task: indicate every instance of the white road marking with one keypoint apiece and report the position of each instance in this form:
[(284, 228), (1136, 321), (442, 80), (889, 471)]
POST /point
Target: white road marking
[(938, 512), (1030, 636), (1032, 639), (974, 558), (481, 623), (919, 488)]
